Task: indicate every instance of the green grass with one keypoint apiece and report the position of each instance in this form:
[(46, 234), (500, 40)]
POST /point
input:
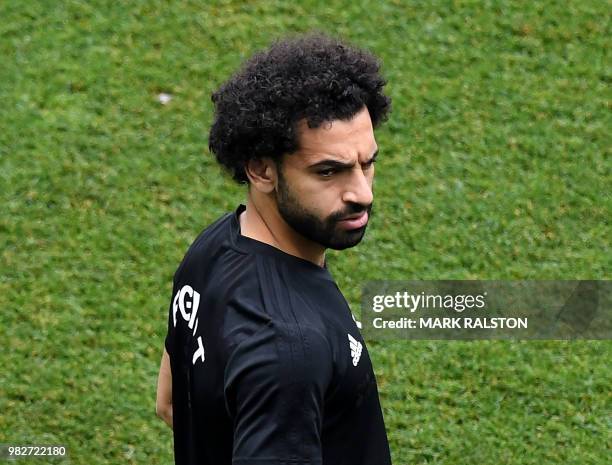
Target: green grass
[(495, 164)]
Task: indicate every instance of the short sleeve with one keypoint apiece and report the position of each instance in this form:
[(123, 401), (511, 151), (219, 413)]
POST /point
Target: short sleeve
[(184, 301), (274, 386)]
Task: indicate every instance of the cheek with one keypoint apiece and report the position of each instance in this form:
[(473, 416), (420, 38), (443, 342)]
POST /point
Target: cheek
[(322, 198)]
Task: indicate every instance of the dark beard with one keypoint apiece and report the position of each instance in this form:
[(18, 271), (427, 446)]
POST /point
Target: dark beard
[(325, 232)]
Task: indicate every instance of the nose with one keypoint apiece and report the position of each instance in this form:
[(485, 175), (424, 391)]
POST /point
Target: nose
[(359, 189)]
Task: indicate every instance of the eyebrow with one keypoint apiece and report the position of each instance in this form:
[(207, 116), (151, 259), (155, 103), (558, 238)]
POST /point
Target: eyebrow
[(332, 163)]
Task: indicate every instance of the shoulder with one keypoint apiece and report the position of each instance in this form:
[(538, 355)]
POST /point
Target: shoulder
[(261, 290), (210, 242)]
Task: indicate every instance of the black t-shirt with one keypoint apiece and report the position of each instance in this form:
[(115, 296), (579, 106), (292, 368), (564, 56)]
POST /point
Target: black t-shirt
[(268, 365)]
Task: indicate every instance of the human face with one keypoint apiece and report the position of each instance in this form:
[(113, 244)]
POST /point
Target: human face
[(324, 190)]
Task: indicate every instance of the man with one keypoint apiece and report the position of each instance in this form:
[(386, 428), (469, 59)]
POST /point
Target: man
[(267, 362)]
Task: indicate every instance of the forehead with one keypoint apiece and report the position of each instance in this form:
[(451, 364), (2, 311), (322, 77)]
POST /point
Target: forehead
[(340, 139)]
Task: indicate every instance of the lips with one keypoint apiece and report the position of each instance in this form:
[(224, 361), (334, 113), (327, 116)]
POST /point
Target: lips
[(354, 222)]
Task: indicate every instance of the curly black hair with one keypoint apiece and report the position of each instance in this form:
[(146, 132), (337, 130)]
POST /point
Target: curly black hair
[(313, 77)]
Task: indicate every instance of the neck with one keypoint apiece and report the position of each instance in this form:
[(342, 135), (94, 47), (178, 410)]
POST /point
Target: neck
[(262, 221)]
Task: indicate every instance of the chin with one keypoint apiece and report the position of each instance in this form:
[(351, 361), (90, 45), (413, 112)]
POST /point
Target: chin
[(349, 239)]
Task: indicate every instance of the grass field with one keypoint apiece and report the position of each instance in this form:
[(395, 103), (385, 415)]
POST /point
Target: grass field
[(495, 164)]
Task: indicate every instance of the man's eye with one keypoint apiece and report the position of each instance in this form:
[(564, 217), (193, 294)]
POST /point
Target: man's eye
[(369, 164), (327, 173)]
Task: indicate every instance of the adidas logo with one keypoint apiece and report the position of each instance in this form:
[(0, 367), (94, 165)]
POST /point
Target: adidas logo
[(356, 349)]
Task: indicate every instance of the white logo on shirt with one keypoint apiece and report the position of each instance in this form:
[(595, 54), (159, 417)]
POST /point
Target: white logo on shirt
[(187, 298), (198, 353), (356, 349)]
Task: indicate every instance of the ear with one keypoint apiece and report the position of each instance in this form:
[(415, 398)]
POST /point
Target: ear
[(262, 174)]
